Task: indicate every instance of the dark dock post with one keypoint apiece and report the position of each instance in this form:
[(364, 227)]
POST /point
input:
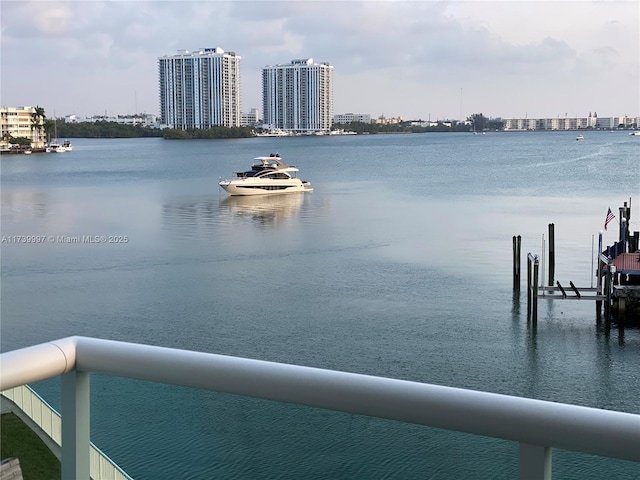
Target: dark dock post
[(634, 242), (529, 295), (552, 254), (625, 216), (599, 276), (532, 287), (608, 285), (517, 241)]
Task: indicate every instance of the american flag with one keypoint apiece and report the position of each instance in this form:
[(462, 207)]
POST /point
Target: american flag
[(610, 216)]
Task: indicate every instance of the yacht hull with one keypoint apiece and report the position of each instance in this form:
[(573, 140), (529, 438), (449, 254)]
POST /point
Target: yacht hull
[(248, 186)]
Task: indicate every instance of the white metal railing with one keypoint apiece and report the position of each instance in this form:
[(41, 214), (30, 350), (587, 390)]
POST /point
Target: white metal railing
[(50, 422), (538, 426)]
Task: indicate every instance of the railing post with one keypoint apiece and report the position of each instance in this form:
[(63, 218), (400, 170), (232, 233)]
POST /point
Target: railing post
[(535, 462), (75, 425)]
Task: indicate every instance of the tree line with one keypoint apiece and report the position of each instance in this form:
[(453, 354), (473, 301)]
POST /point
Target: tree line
[(213, 132), (476, 122), (105, 129), (102, 129)]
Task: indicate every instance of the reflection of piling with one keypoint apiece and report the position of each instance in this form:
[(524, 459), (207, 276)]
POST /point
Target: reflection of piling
[(533, 264), (552, 254), (517, 241)]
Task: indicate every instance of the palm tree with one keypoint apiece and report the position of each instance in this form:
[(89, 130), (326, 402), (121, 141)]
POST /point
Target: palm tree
[(49, 128), (38, 120)]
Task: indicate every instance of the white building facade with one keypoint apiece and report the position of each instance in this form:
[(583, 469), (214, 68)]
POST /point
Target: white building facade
[(200, 89), (21, 122), (344, 118), (250, 119), (298, 96), (570, 123)]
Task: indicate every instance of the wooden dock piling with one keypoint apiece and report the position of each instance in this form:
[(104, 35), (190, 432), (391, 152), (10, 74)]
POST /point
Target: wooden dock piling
[(617, 274), (533, 264)]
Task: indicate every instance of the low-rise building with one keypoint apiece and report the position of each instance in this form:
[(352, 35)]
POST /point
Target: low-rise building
[(344, 118), (142, 119), (382, 120), (250, 119), (571, 123)]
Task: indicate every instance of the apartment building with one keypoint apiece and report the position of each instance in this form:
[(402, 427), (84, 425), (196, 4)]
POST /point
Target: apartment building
[(352, 117), (570, 123), (298, 96), (250, 119), (21, 122), (200, 89), (618, 122)]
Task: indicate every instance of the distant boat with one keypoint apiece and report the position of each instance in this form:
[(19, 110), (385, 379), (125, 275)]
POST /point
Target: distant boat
[(580, 137), (636, 133), (67, 146), (55, 146), (275, 133)]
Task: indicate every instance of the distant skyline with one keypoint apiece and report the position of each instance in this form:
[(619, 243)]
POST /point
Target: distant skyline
[(415, 59)]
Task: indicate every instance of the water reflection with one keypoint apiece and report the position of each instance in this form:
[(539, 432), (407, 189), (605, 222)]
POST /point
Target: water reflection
[(190, 211), (191, 217), (198, 217), (24, 204), (264, 210)]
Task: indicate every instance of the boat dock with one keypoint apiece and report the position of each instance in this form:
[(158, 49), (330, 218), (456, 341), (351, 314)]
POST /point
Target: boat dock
[(617, 275)]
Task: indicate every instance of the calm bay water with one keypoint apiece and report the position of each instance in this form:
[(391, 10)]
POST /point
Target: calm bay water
[(397, 265)]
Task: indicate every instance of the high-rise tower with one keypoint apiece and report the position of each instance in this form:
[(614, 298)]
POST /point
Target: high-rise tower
[(298, 96), (200, 89)]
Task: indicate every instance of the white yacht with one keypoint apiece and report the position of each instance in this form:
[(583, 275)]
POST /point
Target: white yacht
[(55, 147), (268, 176), (67, 146)]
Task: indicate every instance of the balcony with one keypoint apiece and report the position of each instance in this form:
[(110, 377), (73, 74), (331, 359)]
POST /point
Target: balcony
[(537, 426)]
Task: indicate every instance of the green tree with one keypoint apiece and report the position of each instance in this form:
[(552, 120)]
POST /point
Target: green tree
[(49, 127), (22, 141), (479, 122)]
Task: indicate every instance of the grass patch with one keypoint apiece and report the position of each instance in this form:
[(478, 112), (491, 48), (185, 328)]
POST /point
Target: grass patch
[(19, 441)]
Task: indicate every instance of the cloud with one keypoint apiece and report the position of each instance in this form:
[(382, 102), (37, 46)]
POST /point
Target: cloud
[(383, 52)]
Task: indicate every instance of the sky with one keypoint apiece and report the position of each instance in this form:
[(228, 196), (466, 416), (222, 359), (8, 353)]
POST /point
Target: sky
[(428, 60)]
